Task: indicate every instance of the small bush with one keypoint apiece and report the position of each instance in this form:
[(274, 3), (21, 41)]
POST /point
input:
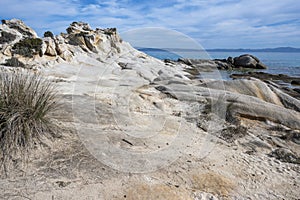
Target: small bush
[(25, 104), (13, 62), (110, 31), (48, 34), (28, 47), (6, 37)]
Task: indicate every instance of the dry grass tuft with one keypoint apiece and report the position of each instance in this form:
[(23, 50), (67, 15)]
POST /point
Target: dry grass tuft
[(25, 104)]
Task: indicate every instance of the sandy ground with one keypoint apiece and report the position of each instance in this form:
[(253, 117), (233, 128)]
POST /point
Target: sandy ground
[(105, 151)]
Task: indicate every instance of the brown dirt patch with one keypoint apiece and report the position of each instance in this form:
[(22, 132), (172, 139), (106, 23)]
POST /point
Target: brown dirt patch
[(156, 192), (213, 183)]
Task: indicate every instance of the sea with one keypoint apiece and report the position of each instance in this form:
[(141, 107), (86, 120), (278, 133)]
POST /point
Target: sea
[(287, 63)]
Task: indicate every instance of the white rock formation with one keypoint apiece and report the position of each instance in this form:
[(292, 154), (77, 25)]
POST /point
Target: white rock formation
[(141, 129)]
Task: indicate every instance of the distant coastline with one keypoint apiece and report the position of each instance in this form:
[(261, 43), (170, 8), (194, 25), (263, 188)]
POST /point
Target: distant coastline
[(277, 49), (281, 60)]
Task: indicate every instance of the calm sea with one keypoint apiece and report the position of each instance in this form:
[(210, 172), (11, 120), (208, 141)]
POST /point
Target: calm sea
[(277, 62)]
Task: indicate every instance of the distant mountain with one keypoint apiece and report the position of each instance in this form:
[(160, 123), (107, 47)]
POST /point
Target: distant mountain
[(145, 49), (150, 49), (278, 49)]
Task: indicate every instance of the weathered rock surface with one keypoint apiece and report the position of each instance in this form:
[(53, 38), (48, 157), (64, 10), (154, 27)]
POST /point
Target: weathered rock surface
[(81, 39), (79, 27), (281, 81), (295, 82), (242, 98), (20, 27), (50, 48), (266, 76), (135, 127), (201, 65), (285, 155), (248, 61)]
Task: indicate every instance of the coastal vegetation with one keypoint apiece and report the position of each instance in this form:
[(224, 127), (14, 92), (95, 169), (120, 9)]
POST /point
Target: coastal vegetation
[(6, 37), (48, 34), (13, 62), (28, 47), (25, 104)]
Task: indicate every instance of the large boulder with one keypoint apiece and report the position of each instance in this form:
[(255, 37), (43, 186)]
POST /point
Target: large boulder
[(224, 64), (78, 27), (50, 47), (62, 48), (96, 41), (248, 61), (20, 27)]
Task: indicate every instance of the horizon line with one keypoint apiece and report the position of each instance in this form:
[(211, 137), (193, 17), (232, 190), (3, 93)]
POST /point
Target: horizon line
[(226, 49)]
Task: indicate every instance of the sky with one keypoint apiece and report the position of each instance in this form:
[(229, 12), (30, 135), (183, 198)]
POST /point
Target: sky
[(211, 23)]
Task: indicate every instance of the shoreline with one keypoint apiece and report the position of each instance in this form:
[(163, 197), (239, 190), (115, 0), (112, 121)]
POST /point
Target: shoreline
[(201, 68), (135, 127), (277, 62)]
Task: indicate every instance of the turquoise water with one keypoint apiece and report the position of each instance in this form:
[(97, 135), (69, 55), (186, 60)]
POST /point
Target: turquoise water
[(277, 62)]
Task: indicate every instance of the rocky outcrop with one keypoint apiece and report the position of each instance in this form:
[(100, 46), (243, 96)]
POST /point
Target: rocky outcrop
[(195, 66), (203, 65), (238, 99), (285, 155), (295, 82), (281, 81), (20, 27), (99, 40), (79, 27), (138, 128), (12, 31), (248, 61), (80, 39), (50, 47)]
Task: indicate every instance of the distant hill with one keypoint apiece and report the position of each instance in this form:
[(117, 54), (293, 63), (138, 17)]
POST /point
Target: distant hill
[(151, 49), (278, 49), (145, 49)]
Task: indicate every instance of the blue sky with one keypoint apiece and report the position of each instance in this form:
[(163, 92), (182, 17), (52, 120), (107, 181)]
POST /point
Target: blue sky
[(212, 23)]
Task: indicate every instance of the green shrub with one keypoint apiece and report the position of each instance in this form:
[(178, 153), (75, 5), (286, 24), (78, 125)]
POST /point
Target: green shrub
[(13, 62), (6, 37), (26, 101), (48, 34), (28, 47), (110, 31)]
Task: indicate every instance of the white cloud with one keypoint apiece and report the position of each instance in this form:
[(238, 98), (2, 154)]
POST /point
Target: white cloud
[(214, 23), (156, 37), (32, 8)]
